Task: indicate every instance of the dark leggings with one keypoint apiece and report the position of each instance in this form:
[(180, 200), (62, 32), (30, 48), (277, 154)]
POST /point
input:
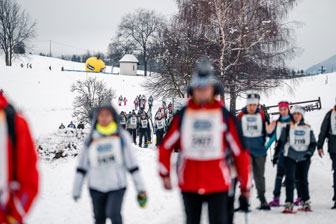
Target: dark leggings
[(333, 159), (297, 170), (107, 205), (217, 207)]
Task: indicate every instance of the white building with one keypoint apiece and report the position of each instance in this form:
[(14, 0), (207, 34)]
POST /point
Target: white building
[(128, 65)]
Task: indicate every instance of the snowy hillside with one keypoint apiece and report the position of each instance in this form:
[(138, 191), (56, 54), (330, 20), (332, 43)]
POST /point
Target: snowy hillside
[(45, 99)]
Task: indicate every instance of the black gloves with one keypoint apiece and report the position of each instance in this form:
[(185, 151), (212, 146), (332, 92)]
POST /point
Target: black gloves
[(275, 160), (307, 155)]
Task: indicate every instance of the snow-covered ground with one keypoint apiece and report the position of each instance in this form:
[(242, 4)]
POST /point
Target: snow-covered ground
[(45, 99)]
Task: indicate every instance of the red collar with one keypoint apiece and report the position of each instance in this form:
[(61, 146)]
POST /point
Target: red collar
[(214, 104)]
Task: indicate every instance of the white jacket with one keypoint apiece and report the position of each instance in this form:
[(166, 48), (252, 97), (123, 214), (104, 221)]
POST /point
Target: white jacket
[(105, 161)]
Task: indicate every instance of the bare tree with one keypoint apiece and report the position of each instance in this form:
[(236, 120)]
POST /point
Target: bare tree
[(90, 93), (249, 40), (118, 47), (16, 28), (178, 49), (141, 27)]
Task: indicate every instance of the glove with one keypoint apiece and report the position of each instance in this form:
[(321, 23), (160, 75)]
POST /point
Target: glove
[(243, 204), (275, 160), (142, 199), (75, 198), (307, 155)]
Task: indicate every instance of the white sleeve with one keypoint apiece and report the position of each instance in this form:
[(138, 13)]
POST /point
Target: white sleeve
[(81, 171)]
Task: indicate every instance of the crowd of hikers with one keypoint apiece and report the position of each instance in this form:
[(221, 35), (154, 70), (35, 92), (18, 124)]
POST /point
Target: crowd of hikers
[(217, 152)]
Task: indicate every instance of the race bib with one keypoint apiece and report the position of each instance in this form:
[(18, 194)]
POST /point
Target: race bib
[(159, 124), (202, 134), (299, 137), (278, 130), (133, 120), (105, 152), (333, 123), (144, 123), (252, 125), (123, 120)]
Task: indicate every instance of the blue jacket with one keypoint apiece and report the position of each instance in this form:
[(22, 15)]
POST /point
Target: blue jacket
[(274, 135), (255, 135)]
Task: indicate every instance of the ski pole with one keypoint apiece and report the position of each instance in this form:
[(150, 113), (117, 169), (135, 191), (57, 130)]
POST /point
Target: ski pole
[(246, 218)]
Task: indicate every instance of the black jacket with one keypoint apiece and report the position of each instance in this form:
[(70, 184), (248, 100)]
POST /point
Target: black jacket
[(291, 152), (326, 133)]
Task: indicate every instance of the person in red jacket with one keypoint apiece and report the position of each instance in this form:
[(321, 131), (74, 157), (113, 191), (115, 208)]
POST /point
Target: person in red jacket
[(207, 136), (18, 171)]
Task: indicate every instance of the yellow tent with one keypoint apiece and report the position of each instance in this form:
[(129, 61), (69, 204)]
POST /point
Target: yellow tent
[(94, 64)]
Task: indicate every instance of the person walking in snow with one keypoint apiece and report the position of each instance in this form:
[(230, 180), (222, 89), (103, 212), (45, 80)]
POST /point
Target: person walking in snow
[(206, 133), (120, 100), (136, 103), (170, 108), (284, 119), (150, 102), (299, 144), (253, 122), (19, 179), (132, 125), (122, 119), (61, 126), (328, 130), (106, 158), (142, 106), (159, 129), (143, 130), (125, 101)]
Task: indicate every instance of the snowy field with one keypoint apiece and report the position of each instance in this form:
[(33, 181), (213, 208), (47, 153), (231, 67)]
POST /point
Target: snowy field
[(45, 99)]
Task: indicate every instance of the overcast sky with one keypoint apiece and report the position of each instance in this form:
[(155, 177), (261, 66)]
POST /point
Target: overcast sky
[(77, 25)]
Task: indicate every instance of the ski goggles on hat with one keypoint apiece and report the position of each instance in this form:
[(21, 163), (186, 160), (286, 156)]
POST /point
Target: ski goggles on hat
[(253, 96), (202, 81)]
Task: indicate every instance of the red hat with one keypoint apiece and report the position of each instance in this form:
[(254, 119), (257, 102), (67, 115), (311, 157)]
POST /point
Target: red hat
[(283, 104), (3, 102)]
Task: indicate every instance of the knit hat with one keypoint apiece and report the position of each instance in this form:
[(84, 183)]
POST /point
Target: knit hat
[(253, 98), (283, 104), (203, 76), (298, 109)]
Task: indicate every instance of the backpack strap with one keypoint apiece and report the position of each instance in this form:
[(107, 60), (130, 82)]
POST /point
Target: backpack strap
[(10, 117)]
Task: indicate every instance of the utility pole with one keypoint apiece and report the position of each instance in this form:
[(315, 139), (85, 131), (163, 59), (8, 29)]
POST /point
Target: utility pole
[(50, 48)]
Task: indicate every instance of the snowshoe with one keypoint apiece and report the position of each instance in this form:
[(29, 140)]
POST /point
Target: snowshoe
[(298, 202), (264, 206), (288, 208), (305, 207), (146, 146), (275, 202)]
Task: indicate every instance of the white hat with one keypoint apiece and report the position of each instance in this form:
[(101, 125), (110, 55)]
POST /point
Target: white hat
[(252, 98), (298, 109)]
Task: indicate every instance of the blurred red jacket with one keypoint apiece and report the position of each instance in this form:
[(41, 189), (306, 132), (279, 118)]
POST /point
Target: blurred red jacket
[(18, 172)]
